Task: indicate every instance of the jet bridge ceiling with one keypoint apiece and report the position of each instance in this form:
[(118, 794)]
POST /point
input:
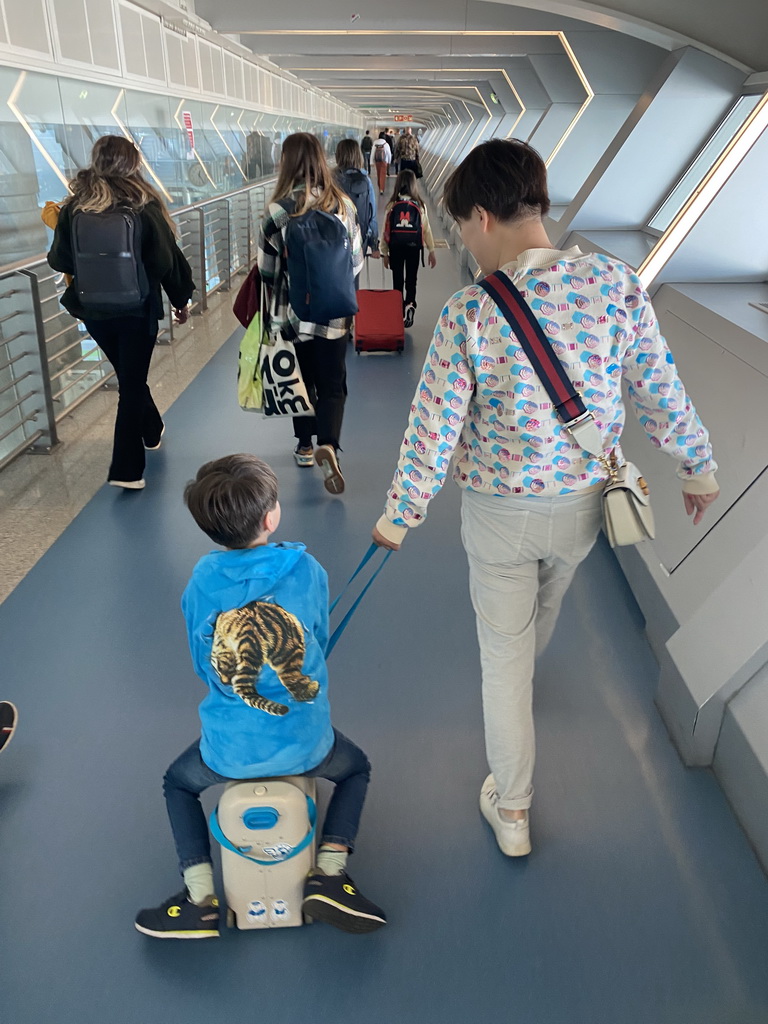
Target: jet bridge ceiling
[(416, 58)]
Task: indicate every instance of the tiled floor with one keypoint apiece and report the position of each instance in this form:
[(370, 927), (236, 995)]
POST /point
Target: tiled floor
[(41, 494)]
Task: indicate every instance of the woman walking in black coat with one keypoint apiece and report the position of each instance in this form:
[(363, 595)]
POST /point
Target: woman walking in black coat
[(127, 336)]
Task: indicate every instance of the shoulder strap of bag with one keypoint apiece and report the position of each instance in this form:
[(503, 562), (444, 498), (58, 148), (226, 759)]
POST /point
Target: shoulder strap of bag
[(568, 403), (243, 851)]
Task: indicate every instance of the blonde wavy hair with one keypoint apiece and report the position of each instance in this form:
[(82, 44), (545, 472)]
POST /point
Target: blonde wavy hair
[(114, 179), (303, 163)]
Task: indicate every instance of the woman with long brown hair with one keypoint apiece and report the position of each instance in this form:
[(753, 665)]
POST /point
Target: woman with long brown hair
[(306, 182), (127, 335)]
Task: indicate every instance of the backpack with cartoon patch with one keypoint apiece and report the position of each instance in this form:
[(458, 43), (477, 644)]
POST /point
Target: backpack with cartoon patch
[(403, 225)]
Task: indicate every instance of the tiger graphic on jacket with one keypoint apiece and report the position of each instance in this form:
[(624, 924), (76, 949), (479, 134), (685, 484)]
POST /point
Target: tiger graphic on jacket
[(258, 634)]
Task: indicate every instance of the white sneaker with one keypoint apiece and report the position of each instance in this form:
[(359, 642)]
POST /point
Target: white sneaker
[(129, 485), (154, 447), (513, 837)]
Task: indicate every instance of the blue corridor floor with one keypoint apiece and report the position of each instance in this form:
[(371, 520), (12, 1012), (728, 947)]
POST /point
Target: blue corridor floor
[(642, 902)]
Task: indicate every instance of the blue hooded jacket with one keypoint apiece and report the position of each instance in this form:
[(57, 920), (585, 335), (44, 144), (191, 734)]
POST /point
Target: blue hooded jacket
[(257, 622)]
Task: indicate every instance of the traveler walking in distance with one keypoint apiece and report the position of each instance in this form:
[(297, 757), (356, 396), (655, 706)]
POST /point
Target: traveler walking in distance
[(305, 183), (382, 157), (408, 151), (366, 146), (111, 195)]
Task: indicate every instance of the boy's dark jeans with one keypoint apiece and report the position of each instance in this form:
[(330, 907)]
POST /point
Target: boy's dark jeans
[(346, 765)]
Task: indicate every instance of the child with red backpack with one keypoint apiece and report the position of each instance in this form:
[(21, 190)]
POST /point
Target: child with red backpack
[(406, 233)]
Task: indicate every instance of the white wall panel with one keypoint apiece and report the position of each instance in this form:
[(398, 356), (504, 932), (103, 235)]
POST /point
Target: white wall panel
[(153, 47), (102, 32), (71, 29), (27, 25), (191, 67), (206, 66), (175, 59), (133, 41)]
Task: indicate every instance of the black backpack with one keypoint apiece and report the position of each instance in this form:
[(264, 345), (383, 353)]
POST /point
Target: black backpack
[(355, 184), (404, 224), (109, 272), (321, 281)]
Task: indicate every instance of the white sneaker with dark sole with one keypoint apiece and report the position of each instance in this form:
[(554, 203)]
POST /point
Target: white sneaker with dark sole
[(325, 457), (154, 447), (513, 837), (129, 485)]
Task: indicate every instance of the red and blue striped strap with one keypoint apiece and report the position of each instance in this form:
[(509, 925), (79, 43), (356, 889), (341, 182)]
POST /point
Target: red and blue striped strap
[(550, 371)]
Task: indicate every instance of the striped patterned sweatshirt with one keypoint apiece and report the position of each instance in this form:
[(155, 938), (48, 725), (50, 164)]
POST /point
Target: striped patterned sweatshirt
[(480, 406)]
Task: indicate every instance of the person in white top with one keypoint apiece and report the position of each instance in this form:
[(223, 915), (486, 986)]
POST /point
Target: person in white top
[(382, 157), (531, 496)]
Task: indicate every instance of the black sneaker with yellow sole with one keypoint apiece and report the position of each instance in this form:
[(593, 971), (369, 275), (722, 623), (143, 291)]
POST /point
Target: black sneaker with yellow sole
[(8, 717), (177, 918), (335, 900)]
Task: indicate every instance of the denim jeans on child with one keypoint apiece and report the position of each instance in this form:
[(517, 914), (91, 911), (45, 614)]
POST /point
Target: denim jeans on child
[(346, 765), (522, 555)]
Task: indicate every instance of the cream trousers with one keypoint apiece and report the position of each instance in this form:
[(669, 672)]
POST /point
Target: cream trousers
[(522, 555)]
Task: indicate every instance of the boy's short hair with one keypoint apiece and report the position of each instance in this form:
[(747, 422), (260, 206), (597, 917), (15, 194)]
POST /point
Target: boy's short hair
[(506, 177), (230, 497)]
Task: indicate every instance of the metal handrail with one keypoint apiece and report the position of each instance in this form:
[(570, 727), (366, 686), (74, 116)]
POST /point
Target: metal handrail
[(217, 236)]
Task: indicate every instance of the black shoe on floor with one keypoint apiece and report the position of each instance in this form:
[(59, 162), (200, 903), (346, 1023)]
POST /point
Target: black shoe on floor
[(8, 716), (177, 918), (410, 313), (335, 900)]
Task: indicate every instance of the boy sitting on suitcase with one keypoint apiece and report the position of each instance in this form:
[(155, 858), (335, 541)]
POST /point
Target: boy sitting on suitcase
[(257, 622)]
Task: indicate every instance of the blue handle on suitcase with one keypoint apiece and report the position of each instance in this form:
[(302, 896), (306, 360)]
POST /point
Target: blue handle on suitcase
[(345, 621), (242, 851)]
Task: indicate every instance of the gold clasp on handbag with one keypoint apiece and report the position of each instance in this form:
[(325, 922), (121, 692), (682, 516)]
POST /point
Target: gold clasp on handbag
[(643, 485), (610, 464)]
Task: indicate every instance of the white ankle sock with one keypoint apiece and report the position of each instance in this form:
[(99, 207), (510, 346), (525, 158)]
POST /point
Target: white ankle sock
[(332, 862), (199, 882)]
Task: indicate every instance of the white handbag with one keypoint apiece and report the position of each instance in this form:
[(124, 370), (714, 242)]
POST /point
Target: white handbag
[(627, 512)]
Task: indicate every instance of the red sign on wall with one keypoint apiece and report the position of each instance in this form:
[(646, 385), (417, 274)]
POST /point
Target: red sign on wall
[(186, 120), (403, 117)]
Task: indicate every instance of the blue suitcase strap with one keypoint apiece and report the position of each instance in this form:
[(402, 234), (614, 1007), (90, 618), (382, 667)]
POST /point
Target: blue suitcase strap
[(243, 851), (345, 621)]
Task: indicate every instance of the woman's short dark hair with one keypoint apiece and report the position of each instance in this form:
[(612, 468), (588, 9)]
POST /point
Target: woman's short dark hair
[(230, 497), (506, 177)]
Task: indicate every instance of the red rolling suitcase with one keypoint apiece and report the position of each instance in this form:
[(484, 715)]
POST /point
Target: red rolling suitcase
[(379, 319)]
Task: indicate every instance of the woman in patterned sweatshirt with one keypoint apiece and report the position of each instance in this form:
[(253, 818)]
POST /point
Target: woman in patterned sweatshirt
[(531, 496)]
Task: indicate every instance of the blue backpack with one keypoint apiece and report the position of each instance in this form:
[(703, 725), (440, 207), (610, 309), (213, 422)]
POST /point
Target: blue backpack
[(321, 281)]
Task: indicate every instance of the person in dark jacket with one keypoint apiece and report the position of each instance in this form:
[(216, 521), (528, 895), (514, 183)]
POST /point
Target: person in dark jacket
[(366, 145), (352, 179), (114, 180)]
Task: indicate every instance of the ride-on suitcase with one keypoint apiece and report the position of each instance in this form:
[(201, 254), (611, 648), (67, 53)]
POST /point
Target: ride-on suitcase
[(266, 828), (379, 319)]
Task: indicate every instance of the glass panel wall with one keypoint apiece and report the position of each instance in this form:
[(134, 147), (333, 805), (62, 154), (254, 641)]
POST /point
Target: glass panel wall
[(193, 150)]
